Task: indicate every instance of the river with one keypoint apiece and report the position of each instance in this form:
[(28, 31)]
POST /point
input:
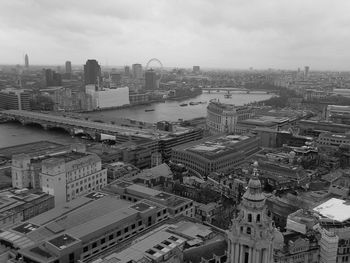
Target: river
[(172, 111), (14, 133)]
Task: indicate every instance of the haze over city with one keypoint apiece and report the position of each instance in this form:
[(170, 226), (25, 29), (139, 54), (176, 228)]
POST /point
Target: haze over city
[(232, 34)]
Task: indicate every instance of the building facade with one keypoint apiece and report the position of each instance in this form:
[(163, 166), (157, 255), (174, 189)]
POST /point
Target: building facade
[(223, 118), (215, 154), (137, 71), (68, 67), (13, 99), (72, 175), (150, 80), (92, 72), (65, 174)]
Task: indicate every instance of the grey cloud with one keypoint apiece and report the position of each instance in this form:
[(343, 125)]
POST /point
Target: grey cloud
[(225, 33)]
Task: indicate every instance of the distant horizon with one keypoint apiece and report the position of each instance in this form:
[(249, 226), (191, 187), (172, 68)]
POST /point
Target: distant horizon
[(175, 67)]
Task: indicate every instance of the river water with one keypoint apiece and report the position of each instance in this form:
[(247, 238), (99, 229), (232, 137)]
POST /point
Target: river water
[(172, 111), (14, 133)]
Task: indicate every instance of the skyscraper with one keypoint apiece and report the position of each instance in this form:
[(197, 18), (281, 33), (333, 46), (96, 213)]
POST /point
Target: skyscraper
[(26, 61), (52, 78), (306, 71), (137, 71), (127, 70), (92, 72), (150, 80), (252, 236), (196, 69), (68, 67)]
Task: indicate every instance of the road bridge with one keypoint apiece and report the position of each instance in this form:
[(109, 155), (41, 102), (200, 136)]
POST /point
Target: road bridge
[(74, 126)]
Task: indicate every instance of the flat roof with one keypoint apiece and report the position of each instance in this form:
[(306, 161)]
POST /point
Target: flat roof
[(335, 209), (75, 223), (216, 146), (32, 149), (25, 228), (151, 245), (62, 241)]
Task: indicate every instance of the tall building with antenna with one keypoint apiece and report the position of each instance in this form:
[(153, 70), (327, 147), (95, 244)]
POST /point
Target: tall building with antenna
[(26, 61)]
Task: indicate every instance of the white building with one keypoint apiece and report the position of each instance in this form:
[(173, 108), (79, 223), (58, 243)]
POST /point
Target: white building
[(71, 175), (107, 98)]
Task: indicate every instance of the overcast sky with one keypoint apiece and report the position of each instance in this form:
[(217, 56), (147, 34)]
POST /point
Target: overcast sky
[(181, 33)]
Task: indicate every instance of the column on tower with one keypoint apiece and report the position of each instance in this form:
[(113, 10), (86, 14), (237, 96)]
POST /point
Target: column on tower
[(236, 252), (241, 254), (250, 255)]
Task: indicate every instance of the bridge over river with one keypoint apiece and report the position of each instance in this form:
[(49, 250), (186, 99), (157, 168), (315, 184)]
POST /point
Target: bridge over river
[(75, 126)]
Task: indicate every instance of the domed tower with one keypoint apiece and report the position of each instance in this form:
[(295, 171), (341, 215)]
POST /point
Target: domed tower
[(251, 237)]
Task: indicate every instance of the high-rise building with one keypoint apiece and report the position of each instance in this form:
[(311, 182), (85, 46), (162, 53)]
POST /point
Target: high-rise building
[(26, 61), (127, 70), (196, 69), (52, 78), (92, 72), (306, 71), (150, 80), (252, 235), (137, 71), (68, 67)]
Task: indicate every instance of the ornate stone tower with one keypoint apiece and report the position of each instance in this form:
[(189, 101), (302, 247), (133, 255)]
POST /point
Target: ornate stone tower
[(251, 237)]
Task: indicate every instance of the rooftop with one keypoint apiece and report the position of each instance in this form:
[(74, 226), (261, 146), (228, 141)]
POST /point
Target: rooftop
[(85, 216), (152, 245), (62, 241), (214, 146), (12, 200), (34, 148), (167, 199), (334, 209)]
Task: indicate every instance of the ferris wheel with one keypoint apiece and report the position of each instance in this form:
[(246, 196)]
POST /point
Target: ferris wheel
[(159, 69)]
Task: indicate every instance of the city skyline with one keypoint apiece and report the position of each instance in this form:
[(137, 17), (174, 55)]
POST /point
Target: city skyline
[(258, 34)]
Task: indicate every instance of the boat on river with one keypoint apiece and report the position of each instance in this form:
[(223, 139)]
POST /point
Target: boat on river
[(147, 110), (183, 104)]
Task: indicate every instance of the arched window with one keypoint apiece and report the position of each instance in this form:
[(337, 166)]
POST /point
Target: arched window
[(249, 217), (258, 218), (249, 231)]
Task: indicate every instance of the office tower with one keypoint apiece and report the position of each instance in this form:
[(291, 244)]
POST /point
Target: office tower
[(151, 79), (137, 71), (196, 69), (52, 78), (252, 235), (306, 71), (92, 72), (26, 61), (13, 99), (68, 67), (127, 70)]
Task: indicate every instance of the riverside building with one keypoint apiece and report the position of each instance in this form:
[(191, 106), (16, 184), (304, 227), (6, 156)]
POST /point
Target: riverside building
[(223, 118)]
